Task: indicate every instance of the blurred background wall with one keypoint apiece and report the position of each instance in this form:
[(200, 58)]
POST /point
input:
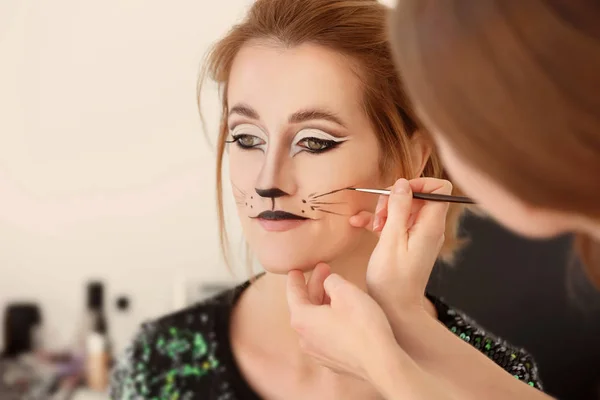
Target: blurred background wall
[(106, 173)]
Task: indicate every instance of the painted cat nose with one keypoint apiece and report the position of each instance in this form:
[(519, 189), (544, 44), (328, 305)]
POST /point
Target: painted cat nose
[(272, 193)]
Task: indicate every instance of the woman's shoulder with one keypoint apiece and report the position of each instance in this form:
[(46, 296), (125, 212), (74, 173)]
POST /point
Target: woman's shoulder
[(176, 355), (515, 360)]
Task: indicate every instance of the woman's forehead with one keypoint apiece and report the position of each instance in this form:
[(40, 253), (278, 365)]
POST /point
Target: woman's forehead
[(278, 81)]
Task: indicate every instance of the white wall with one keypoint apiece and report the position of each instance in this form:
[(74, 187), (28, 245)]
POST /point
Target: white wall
[(104, 168)]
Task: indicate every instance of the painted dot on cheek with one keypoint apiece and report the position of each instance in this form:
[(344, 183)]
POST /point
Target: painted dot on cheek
[(304, 201), (312, 208), (302, 211)]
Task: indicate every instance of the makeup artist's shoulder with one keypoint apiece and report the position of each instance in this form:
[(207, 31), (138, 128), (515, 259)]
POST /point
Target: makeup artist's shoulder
[(169, 354)]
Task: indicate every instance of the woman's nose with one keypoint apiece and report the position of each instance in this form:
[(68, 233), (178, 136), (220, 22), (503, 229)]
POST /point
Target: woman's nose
[(271, 193), (276, 178)]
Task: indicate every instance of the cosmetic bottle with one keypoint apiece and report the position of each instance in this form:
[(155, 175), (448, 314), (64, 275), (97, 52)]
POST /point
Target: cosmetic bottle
[(97, 343), (98, 355)]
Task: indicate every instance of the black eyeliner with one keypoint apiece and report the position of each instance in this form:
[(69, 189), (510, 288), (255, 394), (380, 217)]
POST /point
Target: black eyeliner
[(236, 140), (331, 144)]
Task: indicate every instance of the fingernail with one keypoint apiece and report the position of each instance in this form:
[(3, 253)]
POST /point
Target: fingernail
[(376, 223), (401, 186), (333, 280), (380, 205)]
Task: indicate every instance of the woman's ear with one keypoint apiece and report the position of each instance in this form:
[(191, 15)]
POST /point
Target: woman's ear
[(421, 146)]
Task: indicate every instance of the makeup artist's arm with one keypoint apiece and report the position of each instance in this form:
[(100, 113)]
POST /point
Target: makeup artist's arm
[(397, 377), (351, 335), (443, 355), (398, 273), (345, 330)]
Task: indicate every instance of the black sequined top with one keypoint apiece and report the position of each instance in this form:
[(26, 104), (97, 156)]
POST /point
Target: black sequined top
[(187, 355)]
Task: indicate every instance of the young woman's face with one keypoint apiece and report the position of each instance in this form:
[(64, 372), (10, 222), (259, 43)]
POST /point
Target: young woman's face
[(297, 130)]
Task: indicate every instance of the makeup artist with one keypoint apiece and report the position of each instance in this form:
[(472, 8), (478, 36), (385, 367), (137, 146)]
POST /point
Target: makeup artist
[(510, 92)]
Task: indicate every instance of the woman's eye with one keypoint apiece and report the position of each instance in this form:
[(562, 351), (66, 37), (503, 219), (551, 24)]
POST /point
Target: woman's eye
[(316, 145), (247, 141)]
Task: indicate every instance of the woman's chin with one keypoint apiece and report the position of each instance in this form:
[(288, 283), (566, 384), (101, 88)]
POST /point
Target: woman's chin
[(283, 265)]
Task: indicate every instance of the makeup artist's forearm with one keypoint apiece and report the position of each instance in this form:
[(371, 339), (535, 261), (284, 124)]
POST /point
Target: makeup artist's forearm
[(391, 374), (397, 377), (440, 353)]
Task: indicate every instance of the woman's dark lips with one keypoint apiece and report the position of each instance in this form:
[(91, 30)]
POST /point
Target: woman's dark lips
[(278, 216)]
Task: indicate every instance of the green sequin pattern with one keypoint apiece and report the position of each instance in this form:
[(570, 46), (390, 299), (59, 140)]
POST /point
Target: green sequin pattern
[(166, 361), (515, 361), (187, 355)]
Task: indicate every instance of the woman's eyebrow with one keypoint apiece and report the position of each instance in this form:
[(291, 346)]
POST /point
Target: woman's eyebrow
[(314, 114), (309, 114), (244, 110)]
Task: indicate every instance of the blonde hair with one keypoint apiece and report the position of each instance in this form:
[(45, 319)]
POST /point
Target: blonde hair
[(357, 30)]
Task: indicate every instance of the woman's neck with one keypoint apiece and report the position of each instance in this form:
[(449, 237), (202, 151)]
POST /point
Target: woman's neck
[(351, 266), (263, 311)]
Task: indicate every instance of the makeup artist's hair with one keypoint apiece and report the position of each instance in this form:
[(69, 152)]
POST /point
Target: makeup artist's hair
[(514, 86), (357, 30)]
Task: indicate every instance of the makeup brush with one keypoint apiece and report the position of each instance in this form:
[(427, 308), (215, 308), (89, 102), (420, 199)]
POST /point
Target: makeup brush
[(422, 196)]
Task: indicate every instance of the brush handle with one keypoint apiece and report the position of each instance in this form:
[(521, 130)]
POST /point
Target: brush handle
[(422, 196), (443, 197)]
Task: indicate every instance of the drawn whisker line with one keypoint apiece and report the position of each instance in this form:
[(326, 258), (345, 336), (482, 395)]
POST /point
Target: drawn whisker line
[(328, 193), (238, 189), (328, 203), (328, 212)]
